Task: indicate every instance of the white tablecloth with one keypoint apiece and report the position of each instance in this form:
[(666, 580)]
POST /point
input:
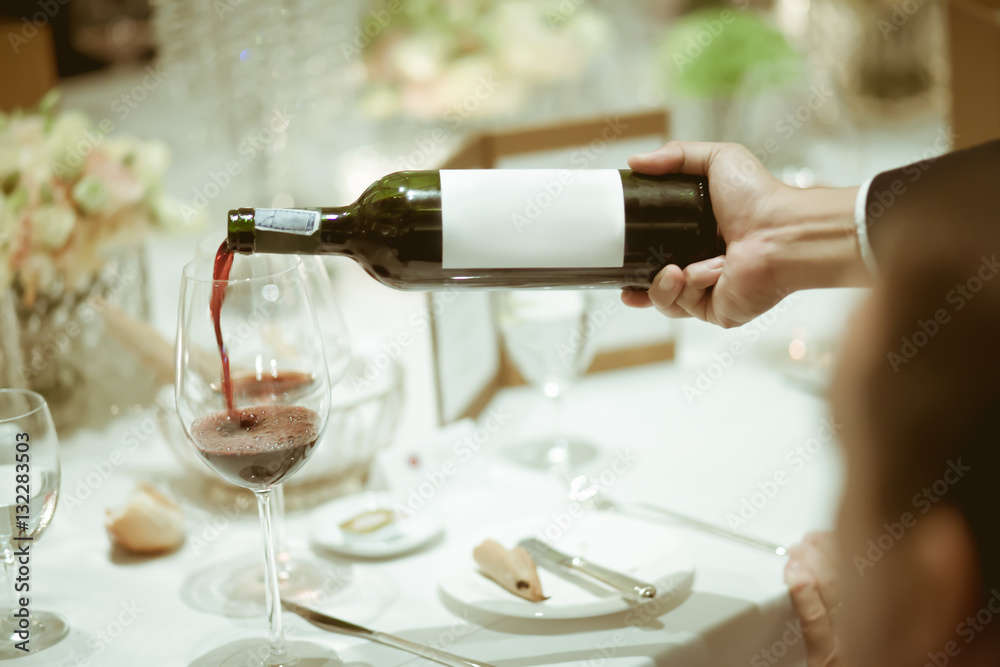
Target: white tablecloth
[(714, 456)]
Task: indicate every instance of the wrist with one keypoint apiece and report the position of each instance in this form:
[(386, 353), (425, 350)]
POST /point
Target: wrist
[(815, 241)]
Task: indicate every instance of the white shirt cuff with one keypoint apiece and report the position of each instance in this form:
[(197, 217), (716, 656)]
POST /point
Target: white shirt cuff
[(861, 220)]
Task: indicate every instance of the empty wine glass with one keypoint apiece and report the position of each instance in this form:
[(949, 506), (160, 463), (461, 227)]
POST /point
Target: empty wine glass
[(299, 574), (280, 386), (29, 487), (549, 340)]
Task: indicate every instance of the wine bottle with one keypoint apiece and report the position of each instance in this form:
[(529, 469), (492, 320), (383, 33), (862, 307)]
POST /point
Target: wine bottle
[(423, 230)]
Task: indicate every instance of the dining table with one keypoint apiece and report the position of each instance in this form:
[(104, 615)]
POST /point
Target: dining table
[(735, 439)]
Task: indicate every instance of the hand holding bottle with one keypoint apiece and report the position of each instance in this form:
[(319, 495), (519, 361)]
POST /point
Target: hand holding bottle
[(779, 239)]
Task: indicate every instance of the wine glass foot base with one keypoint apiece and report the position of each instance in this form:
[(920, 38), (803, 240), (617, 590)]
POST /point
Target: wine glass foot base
[(46, 629), (257, 653), (550, 454), (236, 588)]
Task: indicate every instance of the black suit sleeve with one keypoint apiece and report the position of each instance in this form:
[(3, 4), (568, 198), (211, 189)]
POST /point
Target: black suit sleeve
[(957, 190)]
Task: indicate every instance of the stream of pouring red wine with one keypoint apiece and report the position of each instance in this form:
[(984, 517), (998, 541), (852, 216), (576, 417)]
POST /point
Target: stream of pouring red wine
[(220, 274)]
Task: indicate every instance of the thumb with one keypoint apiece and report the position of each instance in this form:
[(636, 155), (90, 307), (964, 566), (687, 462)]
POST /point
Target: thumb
[(684, 157)]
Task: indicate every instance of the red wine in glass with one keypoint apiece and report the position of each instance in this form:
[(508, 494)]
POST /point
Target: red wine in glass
[(220, 276), (258, 448)]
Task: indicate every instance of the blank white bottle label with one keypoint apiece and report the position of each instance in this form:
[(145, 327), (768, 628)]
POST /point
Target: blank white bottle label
[(532, 218), (288, 220)]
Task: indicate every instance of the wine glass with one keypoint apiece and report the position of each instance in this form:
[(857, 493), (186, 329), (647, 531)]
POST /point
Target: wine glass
[(280, 397), (549, 338), (298, 574), (29, 487)]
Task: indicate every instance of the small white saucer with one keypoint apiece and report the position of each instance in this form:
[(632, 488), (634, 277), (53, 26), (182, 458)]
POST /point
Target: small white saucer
[(649, 552), (409, 532)]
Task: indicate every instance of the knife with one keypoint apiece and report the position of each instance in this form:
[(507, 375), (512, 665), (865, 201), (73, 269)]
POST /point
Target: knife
[(630, 587), (325, 622)]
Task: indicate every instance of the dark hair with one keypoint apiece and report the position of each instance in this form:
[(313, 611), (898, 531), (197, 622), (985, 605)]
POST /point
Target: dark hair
[(933, 397)]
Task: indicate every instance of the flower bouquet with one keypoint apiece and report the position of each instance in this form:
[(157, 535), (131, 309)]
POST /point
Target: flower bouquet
[(455, 60), (75, 205)]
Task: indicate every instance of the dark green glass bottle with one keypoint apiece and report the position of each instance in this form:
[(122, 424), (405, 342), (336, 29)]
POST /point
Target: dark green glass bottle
[(425, 230)]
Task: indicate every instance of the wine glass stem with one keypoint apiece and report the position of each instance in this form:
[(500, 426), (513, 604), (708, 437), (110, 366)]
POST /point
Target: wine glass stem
[(8, 625), (278, 519), (272, 594), (559, 449)]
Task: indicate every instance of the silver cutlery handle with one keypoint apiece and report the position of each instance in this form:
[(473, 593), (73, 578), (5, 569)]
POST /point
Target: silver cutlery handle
[(442, 657), (719, 531), (630, 587)]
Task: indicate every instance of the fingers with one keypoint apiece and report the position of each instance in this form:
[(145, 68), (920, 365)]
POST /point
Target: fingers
[(817, 627), (667, 286), (817, 557), (636, 298), (677, 293), (695, 299), (685, 157)]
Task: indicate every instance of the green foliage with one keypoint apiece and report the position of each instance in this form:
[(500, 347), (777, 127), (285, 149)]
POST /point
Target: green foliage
[(716, 52)]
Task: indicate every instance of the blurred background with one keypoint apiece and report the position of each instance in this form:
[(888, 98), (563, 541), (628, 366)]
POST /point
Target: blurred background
[(131, 127)]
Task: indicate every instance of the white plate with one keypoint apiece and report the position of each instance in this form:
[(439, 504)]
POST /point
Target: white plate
[(656, 554), (413, 531)]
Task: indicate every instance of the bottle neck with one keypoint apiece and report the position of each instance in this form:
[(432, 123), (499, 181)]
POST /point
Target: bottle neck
[(337, 226), (292, 231)]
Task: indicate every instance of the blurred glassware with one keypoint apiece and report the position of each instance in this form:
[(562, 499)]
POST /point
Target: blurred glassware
[(10, 343), (548, 336), (885, 62), (67, 354), (29, 459), (365, 408), (76, 209), (113, 31)]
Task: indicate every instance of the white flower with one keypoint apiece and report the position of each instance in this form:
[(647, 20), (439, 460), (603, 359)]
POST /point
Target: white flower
[(151, 161), (420, 57), (51, 226), (90, 194), (38, 270), (70, 141)]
